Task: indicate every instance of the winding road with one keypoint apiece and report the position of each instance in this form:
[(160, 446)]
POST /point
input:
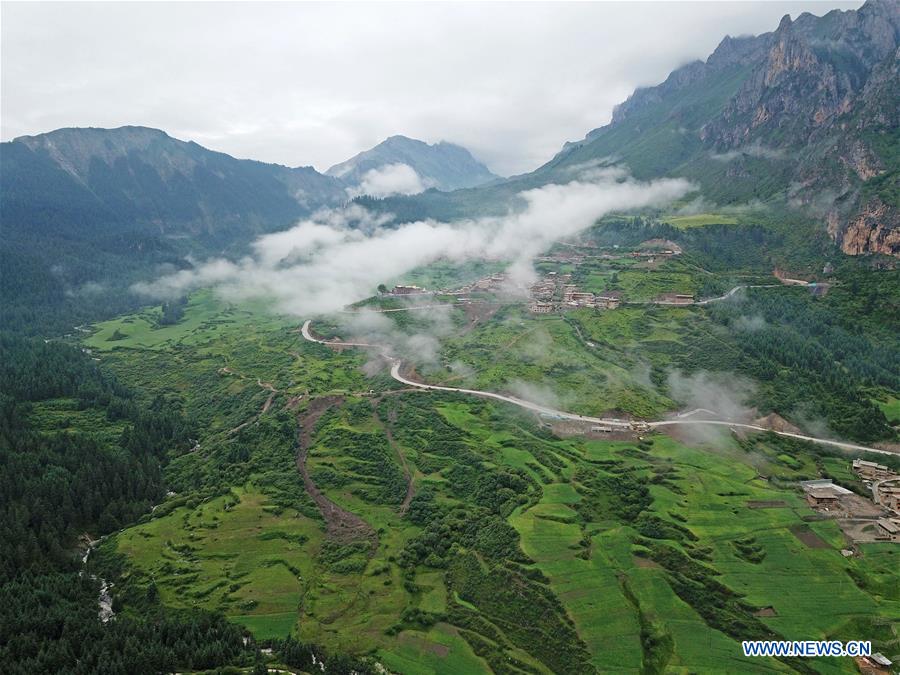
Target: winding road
[(733, 291), (396, 365)]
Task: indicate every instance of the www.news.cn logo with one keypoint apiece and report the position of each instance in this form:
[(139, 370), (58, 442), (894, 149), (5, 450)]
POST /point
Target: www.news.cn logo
[(806, 648)]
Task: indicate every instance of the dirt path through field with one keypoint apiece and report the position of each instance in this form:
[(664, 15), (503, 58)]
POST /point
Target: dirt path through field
[(341, 525), (268, 386)]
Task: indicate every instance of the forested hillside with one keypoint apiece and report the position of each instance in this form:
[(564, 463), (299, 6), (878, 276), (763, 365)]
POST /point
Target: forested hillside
[(87, 212), (78, 455), (81, 456)]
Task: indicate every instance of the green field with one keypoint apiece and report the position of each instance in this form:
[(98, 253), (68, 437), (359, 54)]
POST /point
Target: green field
[(890, 407), (700, 220), (544, 357), (492, 545), (231, 553)]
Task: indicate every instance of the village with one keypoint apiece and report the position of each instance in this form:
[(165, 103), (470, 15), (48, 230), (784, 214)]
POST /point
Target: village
[(555, 291), (876, 519)]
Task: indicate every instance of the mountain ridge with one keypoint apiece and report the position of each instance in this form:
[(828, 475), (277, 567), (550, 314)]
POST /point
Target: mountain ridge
[(443, 165), (816, 99), (140, 174), (804, 117)]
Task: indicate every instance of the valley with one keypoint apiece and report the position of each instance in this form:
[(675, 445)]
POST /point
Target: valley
[(387, 514), (348, 402)]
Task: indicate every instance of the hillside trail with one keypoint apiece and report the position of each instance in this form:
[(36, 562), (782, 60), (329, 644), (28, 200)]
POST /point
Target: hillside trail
[(267, 404)]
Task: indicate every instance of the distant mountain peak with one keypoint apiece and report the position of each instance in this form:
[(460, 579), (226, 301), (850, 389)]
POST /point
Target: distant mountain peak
[(442, 165)]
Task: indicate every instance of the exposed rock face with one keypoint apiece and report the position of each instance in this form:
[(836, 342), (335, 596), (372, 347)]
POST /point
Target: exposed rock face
[(875, 229), (828, 90), (811, 110)]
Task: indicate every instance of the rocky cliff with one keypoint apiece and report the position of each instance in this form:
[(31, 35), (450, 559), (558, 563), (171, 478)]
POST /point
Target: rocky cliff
[(808, 114)]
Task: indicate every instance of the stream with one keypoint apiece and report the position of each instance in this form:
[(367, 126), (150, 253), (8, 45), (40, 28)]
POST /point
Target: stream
[(104, 597)]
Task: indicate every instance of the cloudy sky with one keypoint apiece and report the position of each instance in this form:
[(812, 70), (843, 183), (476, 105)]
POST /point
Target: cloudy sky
[(313, 84)]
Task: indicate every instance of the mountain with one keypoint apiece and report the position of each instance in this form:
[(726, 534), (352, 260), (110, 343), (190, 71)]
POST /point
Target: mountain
[(805, 116), (135, 177), (808, 114), (444, 166), (803, 119), (88, 211)]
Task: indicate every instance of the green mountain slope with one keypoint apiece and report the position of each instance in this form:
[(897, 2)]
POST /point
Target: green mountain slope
[(88, 211)]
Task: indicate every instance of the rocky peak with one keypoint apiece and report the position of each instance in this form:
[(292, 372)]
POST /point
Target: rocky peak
[(789, 53), (819, 98), (736, 51), (443, 165)]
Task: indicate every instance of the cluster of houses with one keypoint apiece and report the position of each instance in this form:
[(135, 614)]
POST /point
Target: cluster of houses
[(545, 289), (651, 256), (407, 290), (555, 292), (492, 283), (856, 515), (885, 487)]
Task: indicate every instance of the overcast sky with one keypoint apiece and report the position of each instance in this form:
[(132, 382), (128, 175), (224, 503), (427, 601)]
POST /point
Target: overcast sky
[(313, 84)]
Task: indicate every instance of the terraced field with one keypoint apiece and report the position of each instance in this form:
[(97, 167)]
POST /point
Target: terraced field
[(485, 542)]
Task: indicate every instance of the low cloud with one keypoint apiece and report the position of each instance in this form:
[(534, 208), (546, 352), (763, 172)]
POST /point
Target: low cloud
[(724, 394), (420, 343), (749, 324), (584, 170), (536, 393), (338, 257), (389, 180), (462, 370), (702, 205), (818, 202), (753, 150)]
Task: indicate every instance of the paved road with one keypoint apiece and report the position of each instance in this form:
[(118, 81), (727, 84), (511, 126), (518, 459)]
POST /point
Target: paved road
[(733, 291), (739, 425), (399, 309), (561, 414), (528, 405)]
